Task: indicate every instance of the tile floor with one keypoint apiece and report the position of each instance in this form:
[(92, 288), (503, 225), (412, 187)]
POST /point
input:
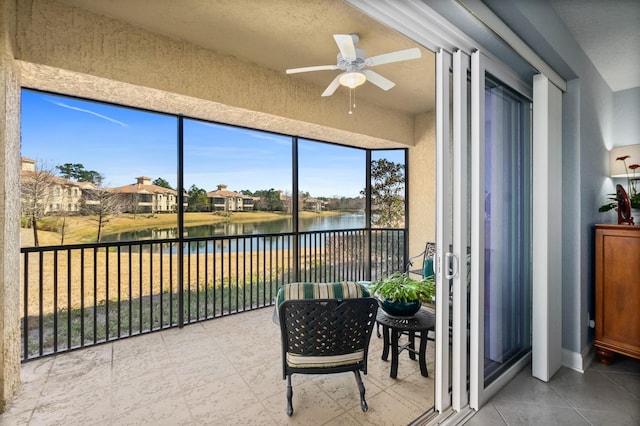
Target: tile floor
[(225, 371), (603, 395)]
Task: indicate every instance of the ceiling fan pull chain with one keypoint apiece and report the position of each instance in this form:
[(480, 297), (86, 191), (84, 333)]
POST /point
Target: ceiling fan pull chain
[(350, 92), (354, 98)]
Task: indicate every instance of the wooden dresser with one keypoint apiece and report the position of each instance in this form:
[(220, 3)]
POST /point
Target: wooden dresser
[(617, 296)]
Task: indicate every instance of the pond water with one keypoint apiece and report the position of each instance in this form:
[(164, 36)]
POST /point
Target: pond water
[(314, 223)]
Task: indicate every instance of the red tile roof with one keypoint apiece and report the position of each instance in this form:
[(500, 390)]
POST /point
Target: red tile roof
[(138, 188)]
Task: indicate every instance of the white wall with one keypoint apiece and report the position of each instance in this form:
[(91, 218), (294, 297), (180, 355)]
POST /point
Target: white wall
[(626, 117)]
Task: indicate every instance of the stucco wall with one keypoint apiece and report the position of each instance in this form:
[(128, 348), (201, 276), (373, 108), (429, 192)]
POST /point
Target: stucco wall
[(53, 34), (422, 188), (9, 212)]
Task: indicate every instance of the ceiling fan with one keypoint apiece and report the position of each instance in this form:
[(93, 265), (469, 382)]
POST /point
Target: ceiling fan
[(352, 61)]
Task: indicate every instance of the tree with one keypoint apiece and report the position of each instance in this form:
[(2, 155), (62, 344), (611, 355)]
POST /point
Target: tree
[(77, 172), (346, 204), (269, 200), (197, 199), (161, 182), (70, 171), (134, 204), (91, 176), (63, 226), (37, 192), (104, 204), (387, 193)]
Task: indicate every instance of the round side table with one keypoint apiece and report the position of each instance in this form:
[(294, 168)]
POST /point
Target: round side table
[(393, 327)]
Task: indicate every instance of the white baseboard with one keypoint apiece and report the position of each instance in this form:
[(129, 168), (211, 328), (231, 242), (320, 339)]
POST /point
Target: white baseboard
[(578, 361)]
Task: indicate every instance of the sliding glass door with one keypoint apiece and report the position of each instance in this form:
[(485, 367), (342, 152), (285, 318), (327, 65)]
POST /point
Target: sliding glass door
[(483, 229), (501, 228), (507, 227)]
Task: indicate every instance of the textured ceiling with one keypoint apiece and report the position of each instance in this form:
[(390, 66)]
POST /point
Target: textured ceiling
[(609, 33), (281, 34)]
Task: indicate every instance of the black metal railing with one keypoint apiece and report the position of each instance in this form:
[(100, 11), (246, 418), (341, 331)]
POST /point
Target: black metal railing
[(80, 295)]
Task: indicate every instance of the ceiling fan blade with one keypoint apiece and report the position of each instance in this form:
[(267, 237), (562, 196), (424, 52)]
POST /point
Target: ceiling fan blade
[(380, 81), (400, 55), (331, 88), (316, 68), (346, 45)]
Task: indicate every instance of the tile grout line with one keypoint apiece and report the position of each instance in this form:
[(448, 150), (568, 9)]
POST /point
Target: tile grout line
[(625, 390), (577, 409), (498, 411)]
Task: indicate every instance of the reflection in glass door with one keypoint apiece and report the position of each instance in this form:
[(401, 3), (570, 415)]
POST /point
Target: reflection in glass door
[(501, 228), (507, 227)]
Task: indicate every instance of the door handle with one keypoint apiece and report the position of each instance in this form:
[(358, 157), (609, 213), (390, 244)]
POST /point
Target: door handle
[(434, 263), (452, 265)]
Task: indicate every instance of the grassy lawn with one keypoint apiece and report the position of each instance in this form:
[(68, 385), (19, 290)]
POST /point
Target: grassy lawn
[(83, 229), (109, 320), (82, 296)]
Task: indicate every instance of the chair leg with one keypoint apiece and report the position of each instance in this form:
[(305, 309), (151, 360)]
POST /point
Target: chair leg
[(363, 403), (289, 396)]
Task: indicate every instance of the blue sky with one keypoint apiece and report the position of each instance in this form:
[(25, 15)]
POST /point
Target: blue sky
[(122, 143)]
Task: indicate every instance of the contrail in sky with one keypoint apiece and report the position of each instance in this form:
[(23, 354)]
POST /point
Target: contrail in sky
[(91, 112)]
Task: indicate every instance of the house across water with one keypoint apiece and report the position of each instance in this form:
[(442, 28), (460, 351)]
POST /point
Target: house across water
[(229, 201), (145, 197)]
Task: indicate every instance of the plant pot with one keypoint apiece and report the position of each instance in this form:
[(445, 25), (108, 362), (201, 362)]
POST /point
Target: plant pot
[(397, 308)]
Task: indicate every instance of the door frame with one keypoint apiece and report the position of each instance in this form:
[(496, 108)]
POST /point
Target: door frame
[(452, 227), (444, 225), (460, 373)]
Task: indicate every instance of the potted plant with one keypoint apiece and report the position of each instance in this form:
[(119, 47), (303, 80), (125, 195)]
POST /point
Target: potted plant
[(401, 295), (632, 189)]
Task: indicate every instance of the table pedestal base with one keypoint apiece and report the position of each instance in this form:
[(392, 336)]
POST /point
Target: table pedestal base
[(393, 328)]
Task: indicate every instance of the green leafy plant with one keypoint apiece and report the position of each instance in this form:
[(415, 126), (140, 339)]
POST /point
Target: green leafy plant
[(400, 287), (632, 190)]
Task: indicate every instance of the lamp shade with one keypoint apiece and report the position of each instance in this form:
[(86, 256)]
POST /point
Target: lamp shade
[(616, 167), (352, 79)]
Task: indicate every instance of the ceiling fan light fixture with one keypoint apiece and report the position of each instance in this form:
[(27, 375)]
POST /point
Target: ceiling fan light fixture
[(352, 60), (352, 79)]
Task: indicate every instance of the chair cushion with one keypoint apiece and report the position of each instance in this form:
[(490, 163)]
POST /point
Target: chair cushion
[(302, 361), (337, 290), (427, 268)]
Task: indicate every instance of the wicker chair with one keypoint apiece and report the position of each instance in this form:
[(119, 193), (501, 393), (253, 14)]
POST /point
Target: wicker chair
[(325, 335)]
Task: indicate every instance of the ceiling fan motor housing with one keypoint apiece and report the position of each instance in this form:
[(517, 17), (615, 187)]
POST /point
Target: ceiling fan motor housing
[(352, 64)]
